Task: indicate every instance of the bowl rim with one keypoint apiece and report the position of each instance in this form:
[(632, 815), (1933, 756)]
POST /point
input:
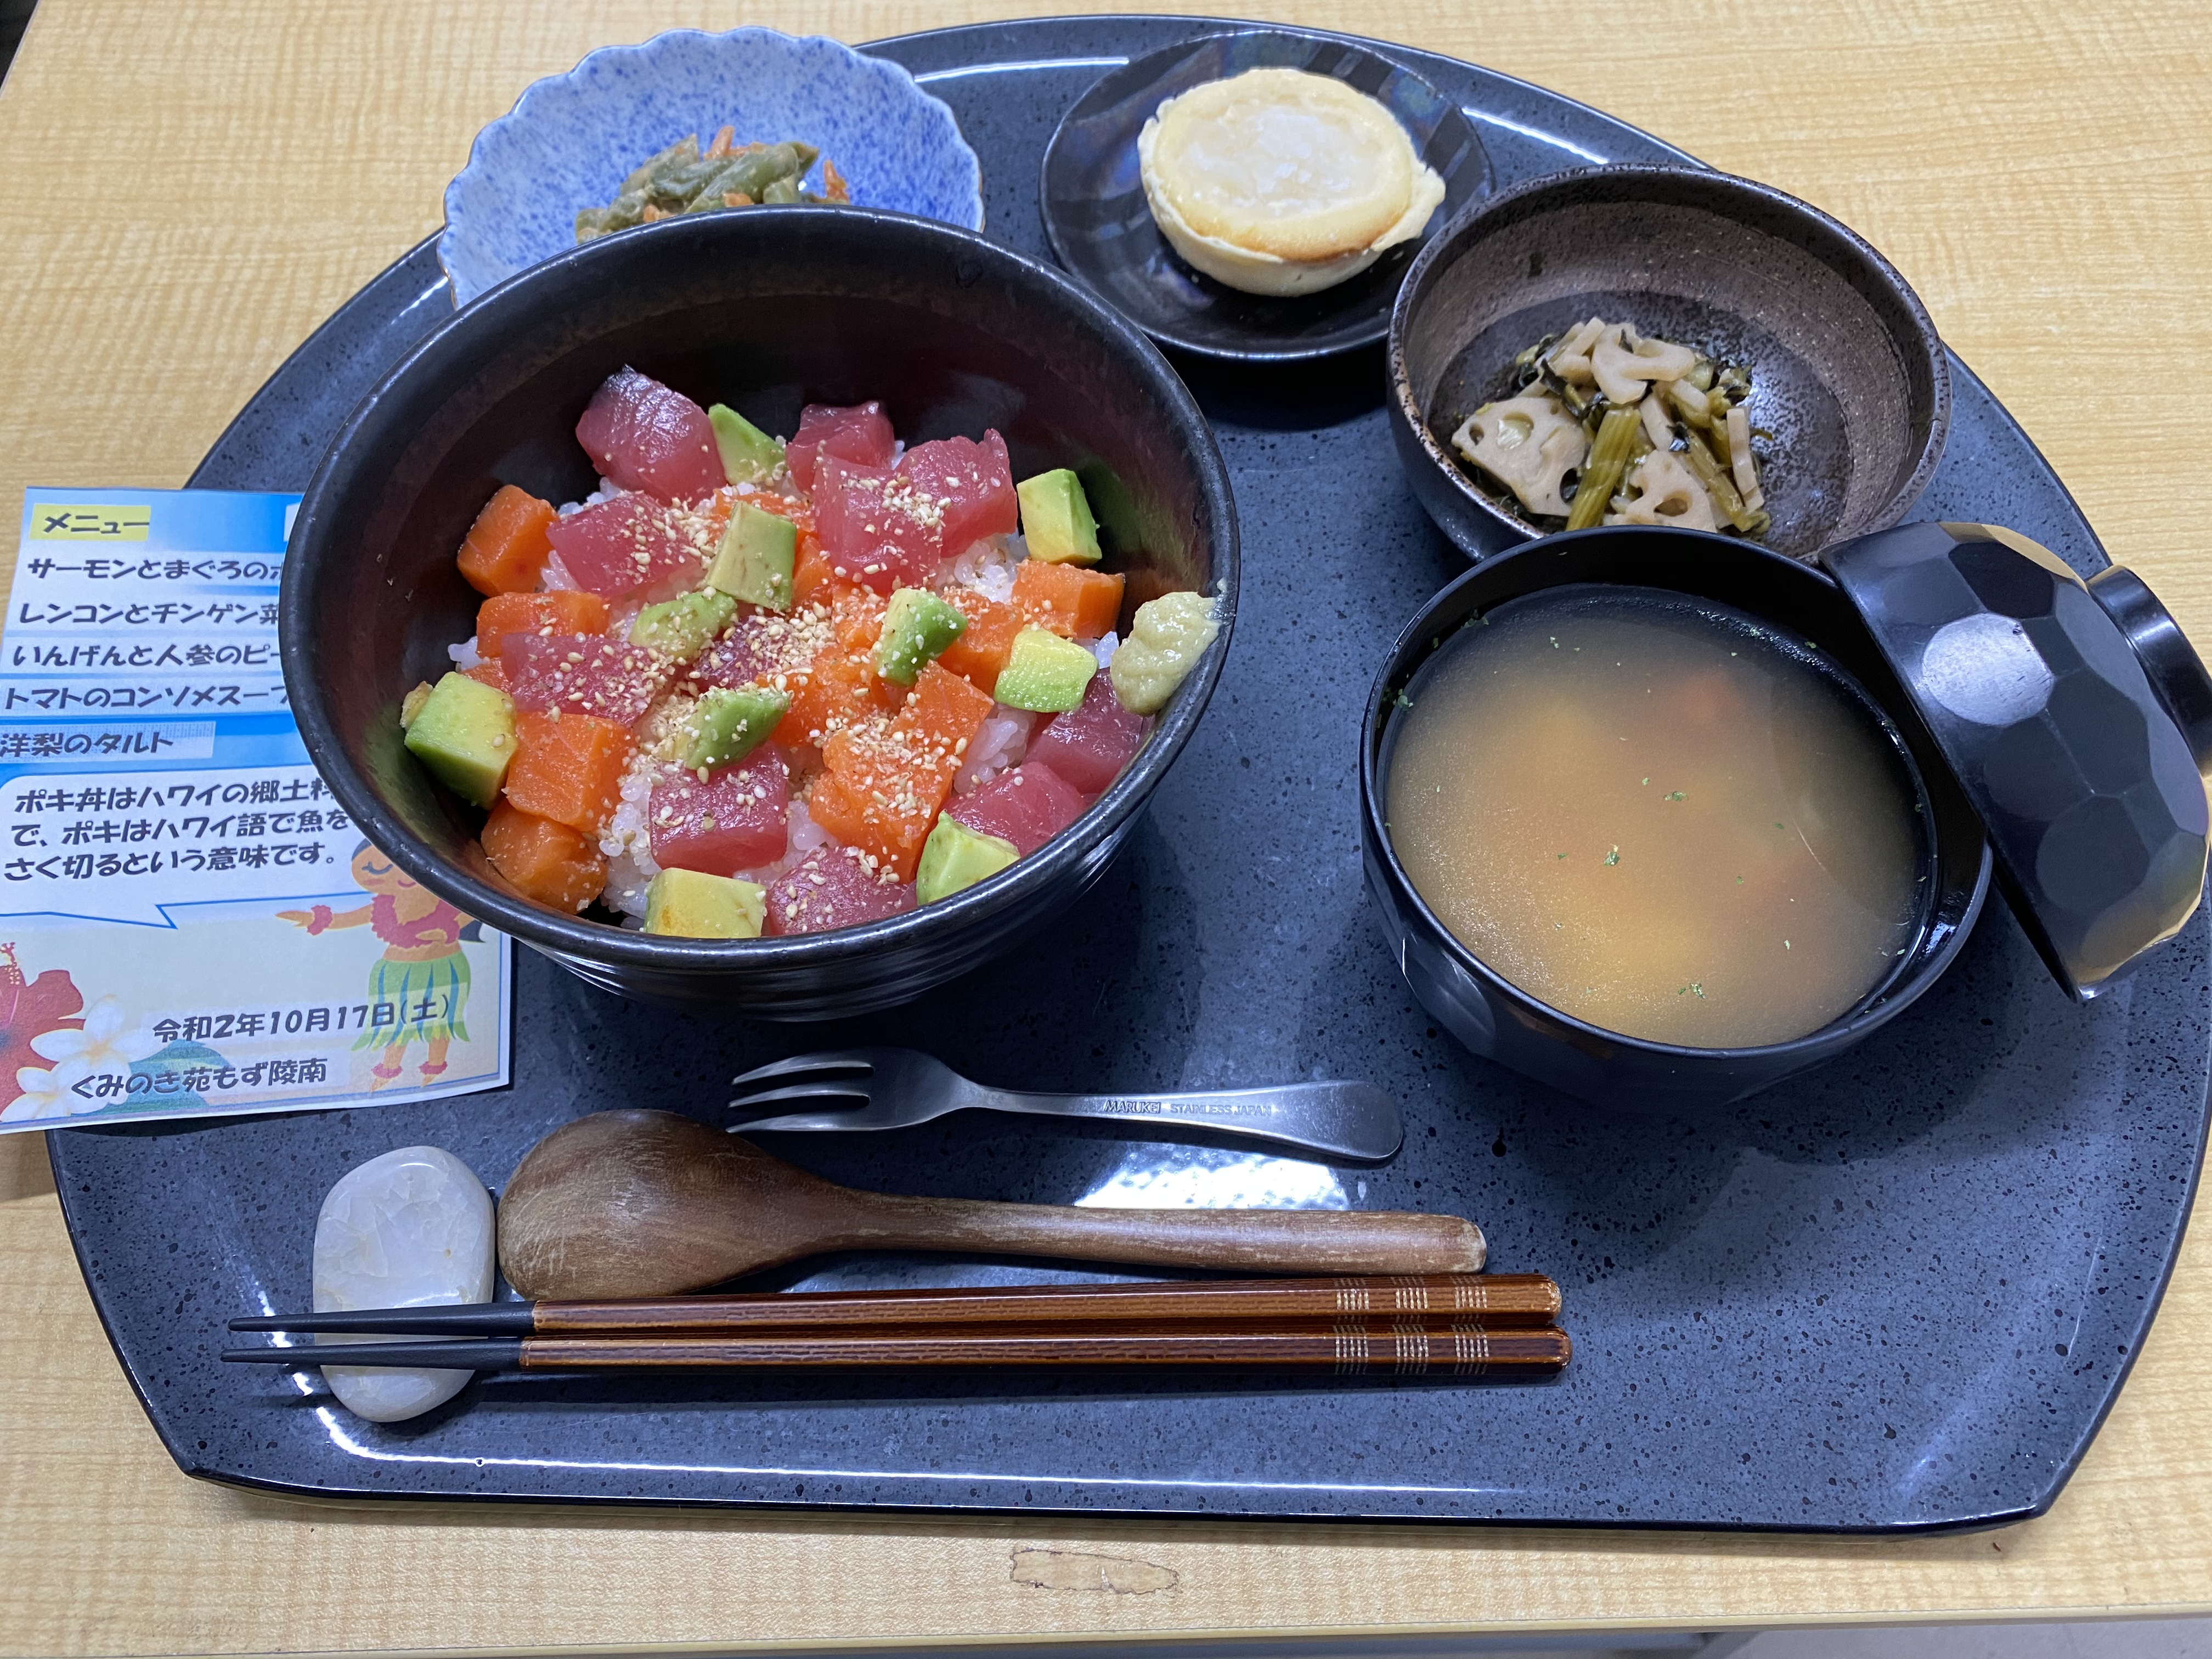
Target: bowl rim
[(1520, 198), (1843, 1031), (519, 110), (450, 344)]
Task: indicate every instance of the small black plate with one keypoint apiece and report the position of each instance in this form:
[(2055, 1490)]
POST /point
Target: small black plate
[(1102, 228)]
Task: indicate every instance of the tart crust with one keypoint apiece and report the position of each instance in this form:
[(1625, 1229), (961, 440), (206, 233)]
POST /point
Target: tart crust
[(1277, 181)]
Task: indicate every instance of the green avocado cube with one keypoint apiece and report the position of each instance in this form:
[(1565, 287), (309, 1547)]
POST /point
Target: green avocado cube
[(917, 626), (728, 723), (1056, 519), (464, 732), (683, 626), (748, 454), (692, 904), (1044, 673), (956, 857), (758, 553)]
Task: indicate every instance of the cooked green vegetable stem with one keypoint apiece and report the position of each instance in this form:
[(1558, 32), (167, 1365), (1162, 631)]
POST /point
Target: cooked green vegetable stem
[(1617, 435), (681, 180), (1722, 488)]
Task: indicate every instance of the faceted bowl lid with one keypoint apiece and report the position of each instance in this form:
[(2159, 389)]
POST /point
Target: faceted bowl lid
[(2075, 716)]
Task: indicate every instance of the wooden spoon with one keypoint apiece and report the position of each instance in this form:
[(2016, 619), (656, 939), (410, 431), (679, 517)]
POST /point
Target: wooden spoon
[(623, 1204)]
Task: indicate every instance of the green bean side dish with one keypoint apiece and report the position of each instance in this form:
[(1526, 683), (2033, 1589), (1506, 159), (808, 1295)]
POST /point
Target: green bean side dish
[(683, 179)]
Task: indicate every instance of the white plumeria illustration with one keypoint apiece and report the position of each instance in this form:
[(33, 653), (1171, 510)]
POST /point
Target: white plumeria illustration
[(96, 1045), (77, 1055), (50, 1094)]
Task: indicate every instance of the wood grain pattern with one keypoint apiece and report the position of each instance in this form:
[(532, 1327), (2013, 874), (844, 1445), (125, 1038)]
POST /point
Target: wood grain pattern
[(632, 1203), (1496, 1299), (1346, 1348), (2037, 167)]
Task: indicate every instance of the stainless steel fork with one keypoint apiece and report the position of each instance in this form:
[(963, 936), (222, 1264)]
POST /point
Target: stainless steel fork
[(893, 1088)]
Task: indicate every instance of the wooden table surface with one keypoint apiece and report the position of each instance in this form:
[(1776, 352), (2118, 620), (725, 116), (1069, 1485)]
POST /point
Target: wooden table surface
[(191, 187)]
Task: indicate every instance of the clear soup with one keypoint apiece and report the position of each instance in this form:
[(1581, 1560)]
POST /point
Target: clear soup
[(1654, 814)]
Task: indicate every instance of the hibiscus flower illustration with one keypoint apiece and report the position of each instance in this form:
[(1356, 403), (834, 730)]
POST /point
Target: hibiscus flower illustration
[(29, 1010)]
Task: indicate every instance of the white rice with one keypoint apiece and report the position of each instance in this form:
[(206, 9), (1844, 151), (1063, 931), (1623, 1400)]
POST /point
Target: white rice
[(626, 880), (1000, 743), (465, 654), (804, 834), (1104, 647), (557, 578), (627, 840), (607, 491), (988, 566)]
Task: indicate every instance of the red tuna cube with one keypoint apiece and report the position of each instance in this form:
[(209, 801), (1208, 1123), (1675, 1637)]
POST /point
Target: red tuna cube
[(877, 528), (581, 674), (861, 434), (764, 645), (1026, 805), (972, 483), (648, 436), (1088, 745), (738, 819), (830, 887), (631, 544)]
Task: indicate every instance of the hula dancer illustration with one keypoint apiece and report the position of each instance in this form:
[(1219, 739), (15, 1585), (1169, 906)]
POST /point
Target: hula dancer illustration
[(422, 977)]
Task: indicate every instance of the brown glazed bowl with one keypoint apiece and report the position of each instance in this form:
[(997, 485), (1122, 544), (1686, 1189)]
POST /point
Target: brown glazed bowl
[(1847, 372), (767, 310)]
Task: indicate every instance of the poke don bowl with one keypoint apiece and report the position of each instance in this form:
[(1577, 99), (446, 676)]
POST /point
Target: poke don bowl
[(625, 613)]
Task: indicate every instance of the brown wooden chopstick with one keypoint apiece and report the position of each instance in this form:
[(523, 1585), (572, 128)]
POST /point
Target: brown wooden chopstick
[(1497, 1300), (1346, 1348)]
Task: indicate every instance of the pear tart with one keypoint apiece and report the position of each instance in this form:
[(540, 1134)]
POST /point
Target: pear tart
[(1280, 182)]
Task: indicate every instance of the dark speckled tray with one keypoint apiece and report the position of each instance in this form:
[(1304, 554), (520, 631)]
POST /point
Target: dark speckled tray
[(1900, 1292)]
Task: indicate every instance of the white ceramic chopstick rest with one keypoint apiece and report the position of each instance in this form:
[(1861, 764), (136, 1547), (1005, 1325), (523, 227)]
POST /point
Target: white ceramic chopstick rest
[(411, 1229)]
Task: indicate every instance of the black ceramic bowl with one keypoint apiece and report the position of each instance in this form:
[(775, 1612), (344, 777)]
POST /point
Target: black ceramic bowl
[(765, 310), (1847, 372), (1497, 1019)]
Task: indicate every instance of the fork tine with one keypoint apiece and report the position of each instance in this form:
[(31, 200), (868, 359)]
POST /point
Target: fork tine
[(847, 1059), (828, 1093)]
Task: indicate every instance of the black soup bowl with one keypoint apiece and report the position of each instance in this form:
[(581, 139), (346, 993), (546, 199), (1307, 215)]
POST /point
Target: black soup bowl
[(766, 310), (1497, 1019)]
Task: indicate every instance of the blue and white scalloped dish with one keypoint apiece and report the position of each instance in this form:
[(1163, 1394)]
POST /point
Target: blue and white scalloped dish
[(571, 139)]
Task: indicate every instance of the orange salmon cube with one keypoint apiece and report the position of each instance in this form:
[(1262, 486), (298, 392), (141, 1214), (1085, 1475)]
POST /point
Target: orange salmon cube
[(544, 860), (505, 549), (564, 610), (833, 691), (857, 614), (814, 580), (1072, 602), (886, 781), (490, 672), (569, 768), (979, 655)]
